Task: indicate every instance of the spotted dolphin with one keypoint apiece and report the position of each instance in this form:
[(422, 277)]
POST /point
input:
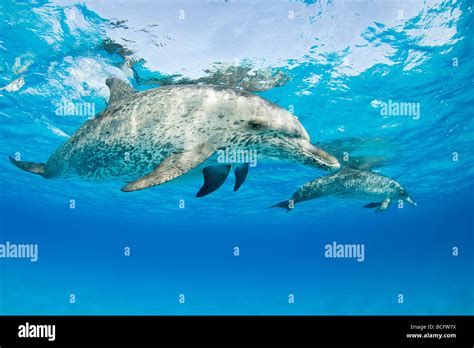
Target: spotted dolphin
[(351, 183), (151, 137)]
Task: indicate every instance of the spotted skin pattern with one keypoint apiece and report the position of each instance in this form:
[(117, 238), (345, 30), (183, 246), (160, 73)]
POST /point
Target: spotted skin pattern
[(134, 135), (351, 183)]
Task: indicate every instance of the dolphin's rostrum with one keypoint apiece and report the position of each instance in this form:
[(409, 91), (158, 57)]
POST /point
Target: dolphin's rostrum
[(154, 136)]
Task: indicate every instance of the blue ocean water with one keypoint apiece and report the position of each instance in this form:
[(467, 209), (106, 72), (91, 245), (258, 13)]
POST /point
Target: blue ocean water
[(344, 61)]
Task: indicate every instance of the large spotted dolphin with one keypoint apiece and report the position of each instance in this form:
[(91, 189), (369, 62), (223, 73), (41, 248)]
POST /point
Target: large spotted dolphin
[(353, 183), (148, 138)]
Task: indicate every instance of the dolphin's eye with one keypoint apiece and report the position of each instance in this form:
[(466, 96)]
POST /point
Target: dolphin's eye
[(255, 125)]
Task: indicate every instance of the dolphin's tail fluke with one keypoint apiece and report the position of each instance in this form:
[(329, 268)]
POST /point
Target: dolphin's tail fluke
[(288, 205), (35, 168)]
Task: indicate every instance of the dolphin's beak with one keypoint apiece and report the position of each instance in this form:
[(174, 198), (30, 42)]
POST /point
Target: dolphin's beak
[(317, 156), (411, 201), (326, 159)]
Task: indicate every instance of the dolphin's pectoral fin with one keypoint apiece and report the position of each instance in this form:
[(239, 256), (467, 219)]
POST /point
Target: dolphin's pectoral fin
[(214, 177), (118, 89), (384, 205), (172, 167), (240, 172), (372, 205)]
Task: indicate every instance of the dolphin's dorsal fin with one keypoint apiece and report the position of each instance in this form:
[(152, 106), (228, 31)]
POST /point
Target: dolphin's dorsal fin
[(118, 89)]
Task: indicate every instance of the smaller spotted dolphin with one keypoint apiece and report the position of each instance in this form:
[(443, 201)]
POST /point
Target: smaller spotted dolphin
[(351, 183)]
